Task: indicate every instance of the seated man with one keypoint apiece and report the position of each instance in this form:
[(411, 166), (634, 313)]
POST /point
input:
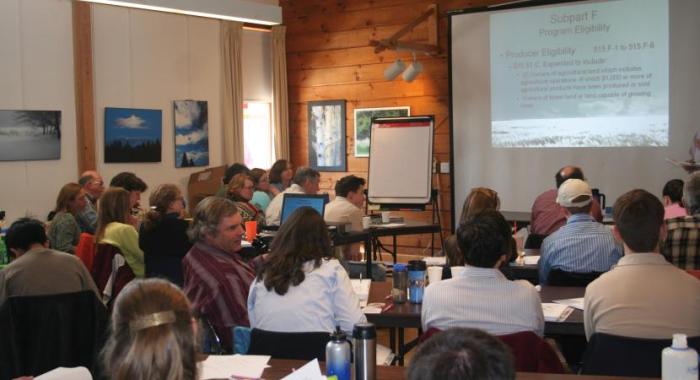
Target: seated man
[(346, 208), (582, 245), (216, 278), (682, 246), (305, 181), (673, 194), (135, 186), (547, 215), (481, 296), (38, 270), (462, 354), (644, 296), (92, 182)]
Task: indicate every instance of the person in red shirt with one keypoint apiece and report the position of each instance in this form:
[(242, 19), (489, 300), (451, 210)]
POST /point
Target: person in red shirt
[(547, 215)]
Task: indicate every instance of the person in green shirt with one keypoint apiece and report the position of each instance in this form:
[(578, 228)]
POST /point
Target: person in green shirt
[(113, 228), (64, 231)]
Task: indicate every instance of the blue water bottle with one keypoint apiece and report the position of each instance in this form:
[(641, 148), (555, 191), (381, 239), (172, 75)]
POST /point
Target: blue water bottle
[(338, 355), (416, 280)]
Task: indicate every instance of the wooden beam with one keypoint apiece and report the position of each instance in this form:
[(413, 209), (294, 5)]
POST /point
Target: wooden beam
[(408, 27), (84, 97), (393, 43), (401, 45)]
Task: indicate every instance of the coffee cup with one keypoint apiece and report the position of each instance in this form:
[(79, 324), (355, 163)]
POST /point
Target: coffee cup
[(434, 274), (366, 222), (457, 271)]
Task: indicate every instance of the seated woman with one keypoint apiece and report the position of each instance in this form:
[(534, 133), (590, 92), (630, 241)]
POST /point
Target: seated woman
[(280, 175), (163, 235), (479, 199), (113, 215), (152, 334), (240, 191), (64, 231), (302, 288), (261, 197), (481, 296)]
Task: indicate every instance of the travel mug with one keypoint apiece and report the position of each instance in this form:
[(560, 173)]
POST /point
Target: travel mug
[(364, 337)]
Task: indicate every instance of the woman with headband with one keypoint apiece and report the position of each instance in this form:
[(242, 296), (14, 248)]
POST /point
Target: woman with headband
[(152, 335)]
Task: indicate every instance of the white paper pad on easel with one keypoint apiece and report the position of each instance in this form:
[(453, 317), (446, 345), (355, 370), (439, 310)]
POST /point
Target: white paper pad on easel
[(554, 312), (237, 366), (576, 303)]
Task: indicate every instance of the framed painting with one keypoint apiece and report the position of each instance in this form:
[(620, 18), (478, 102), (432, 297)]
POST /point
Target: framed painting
[(191, 133), (363, 121), (132, 135), (27, 135), (326, 128)]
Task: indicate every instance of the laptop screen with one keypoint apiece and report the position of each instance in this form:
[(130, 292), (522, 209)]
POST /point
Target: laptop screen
[(291, 202)]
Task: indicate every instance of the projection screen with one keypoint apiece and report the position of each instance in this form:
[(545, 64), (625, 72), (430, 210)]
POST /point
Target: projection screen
[(610, 86)]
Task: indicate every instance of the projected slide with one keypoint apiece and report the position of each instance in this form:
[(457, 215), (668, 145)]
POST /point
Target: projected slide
[(588, 75)]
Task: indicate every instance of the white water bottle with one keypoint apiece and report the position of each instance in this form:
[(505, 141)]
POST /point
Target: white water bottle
[(679, 362)]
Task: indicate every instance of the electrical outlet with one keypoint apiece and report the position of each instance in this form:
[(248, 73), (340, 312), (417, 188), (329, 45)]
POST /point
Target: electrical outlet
[(445, 167)]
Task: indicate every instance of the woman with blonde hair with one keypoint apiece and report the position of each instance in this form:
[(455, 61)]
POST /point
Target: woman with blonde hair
[(113, 227), (64, 231), (152, 334), (163, 234), (240, 191)]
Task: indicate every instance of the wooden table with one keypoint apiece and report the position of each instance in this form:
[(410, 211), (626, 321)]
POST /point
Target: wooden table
[(280, 368), (408, 315)]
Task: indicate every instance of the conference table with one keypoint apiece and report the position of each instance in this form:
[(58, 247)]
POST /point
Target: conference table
[(398, 317), (280, 368)]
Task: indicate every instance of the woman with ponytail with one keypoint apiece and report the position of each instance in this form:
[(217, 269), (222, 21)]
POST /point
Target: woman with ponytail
[(163, 236), (302, 288), (152, 334)]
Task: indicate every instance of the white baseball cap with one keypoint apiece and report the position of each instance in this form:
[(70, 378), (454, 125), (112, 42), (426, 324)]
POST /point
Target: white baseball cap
[(572, 189)]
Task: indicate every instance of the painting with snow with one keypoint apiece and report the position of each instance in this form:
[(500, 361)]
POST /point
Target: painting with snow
[(27, 135)]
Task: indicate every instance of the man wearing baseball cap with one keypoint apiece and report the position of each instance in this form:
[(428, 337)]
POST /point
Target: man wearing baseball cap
[(582, 245)]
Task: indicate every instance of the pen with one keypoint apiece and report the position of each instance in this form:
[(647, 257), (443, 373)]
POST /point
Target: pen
[(387, 307)]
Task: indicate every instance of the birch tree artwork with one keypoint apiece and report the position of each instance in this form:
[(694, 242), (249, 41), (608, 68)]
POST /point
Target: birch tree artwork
[(327, 135)]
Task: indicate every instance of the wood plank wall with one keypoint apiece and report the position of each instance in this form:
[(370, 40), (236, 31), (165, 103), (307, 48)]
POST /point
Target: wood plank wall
[(329, 57)]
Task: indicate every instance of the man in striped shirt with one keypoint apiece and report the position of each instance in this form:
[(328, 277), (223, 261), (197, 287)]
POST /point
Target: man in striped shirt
[(217, 279), (481, 296), (582, 245)]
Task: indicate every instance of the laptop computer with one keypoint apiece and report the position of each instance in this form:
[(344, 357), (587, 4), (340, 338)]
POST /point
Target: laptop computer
[(291, 202)]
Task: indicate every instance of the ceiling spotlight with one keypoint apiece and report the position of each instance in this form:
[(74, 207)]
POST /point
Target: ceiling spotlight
[(394, 70), (412, 71)]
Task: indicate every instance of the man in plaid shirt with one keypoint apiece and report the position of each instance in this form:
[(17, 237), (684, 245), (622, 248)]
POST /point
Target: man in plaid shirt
[(682, 246)]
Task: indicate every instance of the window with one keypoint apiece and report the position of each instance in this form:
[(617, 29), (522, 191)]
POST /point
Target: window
[(258, 145)]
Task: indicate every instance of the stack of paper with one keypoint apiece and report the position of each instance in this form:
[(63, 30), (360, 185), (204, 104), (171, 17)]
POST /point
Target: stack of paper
[(238, 366), (309, 371), (554, 312), (436, 261), (361, 289), (576, 303), (531, 260)]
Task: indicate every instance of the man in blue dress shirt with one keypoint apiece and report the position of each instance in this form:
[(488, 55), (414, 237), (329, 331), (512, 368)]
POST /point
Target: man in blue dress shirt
[(582, 245)]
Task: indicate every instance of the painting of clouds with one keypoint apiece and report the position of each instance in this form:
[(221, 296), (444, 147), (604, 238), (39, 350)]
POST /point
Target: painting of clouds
[(191, 133), (30, 135), (132, 135)]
